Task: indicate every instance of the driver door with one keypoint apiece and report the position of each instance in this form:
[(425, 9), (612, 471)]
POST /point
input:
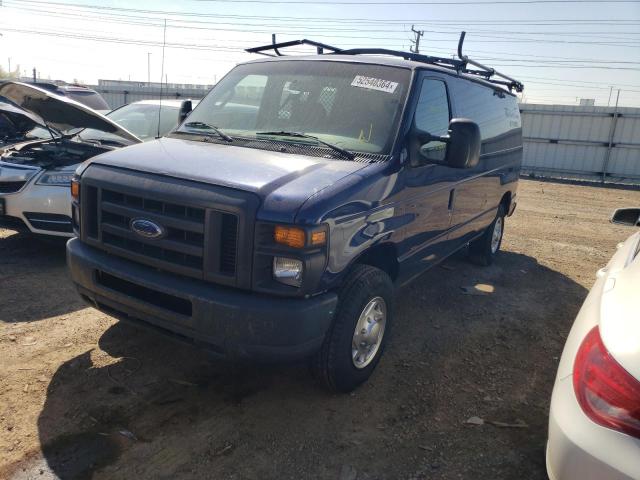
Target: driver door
[(428, 185)]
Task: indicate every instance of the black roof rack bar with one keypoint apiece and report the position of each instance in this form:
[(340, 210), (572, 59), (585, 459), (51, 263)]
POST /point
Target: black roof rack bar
[(416, 57), (320, 47), (488, 71)]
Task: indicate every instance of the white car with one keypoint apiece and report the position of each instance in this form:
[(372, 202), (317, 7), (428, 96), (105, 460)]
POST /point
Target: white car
[(35, 175), (594, 419)]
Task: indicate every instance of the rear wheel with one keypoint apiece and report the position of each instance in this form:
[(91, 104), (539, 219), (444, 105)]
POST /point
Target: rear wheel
[(483, 250), (355, 343)]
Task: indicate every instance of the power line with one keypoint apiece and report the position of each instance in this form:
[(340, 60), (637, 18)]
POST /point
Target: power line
[(111, 17), (561, 62), (108, 14), (167, 13), (449, 3), (235, 50), (386, 38), (498, 39)]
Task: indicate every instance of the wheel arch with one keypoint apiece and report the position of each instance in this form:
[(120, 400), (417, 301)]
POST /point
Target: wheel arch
[(505, 201), (383, 256)]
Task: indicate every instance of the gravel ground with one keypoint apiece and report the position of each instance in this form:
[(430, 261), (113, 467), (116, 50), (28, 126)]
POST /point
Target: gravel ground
[(83, 396)]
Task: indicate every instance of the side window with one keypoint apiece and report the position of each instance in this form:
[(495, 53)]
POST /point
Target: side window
[(495, 112), (432, 116)]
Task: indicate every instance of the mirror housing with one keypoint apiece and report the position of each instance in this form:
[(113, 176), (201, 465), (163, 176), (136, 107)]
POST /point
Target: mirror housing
[(185, 110), (462, 145), (626, 216), (463, 149)]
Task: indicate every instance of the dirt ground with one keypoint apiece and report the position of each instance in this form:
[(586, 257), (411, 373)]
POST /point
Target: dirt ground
[(83, 396)]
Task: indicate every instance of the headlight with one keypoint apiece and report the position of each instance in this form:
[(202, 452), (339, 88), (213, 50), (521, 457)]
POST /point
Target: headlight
[(287, 271), (56, 178)]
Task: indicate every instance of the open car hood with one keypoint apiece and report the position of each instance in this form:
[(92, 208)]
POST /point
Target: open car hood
[(59, 113)]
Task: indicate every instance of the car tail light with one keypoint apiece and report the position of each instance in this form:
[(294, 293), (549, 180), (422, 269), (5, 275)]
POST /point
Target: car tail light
[(607, 393)]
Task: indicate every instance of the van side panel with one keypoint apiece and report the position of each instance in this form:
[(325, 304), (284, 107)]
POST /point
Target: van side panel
[(482, 188)]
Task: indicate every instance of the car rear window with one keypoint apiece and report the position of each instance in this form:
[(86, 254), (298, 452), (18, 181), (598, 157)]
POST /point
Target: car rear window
[(89, 98)]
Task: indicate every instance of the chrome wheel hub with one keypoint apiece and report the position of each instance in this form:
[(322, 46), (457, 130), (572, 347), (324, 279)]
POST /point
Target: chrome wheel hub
[(369, 331), (497, 234)]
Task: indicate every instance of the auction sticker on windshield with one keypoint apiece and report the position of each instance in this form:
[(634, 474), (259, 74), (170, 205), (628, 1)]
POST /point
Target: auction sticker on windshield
[(374, 84)]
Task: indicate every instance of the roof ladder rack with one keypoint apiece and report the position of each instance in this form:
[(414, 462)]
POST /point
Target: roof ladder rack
[(320, 47), (459, 65), (487, 72)]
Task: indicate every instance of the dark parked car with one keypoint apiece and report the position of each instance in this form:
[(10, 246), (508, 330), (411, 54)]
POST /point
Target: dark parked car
[(79, 93), (277, 220)]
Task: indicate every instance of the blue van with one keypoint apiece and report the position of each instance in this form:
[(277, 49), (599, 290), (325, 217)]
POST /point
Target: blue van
[(278, 220)]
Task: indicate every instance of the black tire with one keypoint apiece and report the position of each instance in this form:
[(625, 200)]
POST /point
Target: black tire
[(480, 251), (333, 366)]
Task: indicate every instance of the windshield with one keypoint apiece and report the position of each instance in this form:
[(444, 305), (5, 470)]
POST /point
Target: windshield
[(140, 119), (353, 106)]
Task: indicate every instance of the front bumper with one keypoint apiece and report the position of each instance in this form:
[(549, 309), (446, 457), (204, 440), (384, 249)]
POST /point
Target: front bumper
[(228, 321), (43, 209)]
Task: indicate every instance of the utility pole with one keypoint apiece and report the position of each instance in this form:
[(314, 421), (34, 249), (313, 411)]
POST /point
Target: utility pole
[(610, 91), (612, 134), (149, 68), (34, 75), (416, 42)]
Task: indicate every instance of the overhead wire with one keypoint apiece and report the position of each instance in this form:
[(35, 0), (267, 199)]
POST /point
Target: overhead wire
[(520, 62)]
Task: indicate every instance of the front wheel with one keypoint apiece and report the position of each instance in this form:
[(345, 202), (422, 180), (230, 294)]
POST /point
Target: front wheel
[(484, 249), (355, 343)]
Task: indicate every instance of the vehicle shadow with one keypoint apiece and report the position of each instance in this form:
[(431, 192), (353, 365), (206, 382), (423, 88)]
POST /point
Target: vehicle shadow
[(143, 406), (34, 283)]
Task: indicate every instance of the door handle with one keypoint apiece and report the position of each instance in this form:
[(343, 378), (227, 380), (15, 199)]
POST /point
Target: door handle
[(452, 198)]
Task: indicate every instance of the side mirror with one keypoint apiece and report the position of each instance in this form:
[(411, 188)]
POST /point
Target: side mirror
[(185, 110), (626, 216), (459, 149), (463, 149)]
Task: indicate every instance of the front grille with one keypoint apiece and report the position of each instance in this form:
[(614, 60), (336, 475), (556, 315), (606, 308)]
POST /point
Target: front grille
[(202, 226), (228, 244), (11, 187), (181, 247)]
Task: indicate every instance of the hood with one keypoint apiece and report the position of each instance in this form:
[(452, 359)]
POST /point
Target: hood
[(59, 113), (283, 181)]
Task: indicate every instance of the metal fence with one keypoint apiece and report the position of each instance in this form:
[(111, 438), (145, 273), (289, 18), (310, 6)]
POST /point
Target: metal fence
[(582, 142), (117, 96)]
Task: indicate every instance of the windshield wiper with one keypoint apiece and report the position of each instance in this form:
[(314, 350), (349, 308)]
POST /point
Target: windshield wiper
[(335, 148), (203, 125)]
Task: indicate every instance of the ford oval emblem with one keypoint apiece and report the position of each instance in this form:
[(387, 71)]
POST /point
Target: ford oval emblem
[(147, 228)]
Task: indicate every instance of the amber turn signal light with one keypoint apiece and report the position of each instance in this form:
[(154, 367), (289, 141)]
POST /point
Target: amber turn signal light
[(290, 236), (319, 237), (75, 189)]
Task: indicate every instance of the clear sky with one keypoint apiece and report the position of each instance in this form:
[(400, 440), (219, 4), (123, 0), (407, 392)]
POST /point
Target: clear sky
[(560, 50)]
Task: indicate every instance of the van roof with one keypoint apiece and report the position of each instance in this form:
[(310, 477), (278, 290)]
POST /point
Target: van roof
[(382, 60)]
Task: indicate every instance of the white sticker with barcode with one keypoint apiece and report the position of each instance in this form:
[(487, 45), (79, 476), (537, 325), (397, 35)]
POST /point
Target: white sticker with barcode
[(374, 84)]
